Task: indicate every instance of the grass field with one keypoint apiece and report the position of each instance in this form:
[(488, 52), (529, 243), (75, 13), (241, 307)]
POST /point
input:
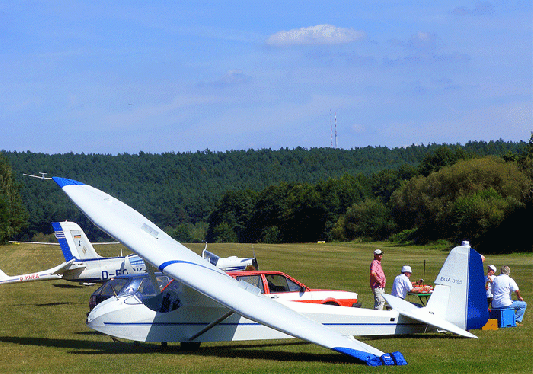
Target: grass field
[(42, 324)]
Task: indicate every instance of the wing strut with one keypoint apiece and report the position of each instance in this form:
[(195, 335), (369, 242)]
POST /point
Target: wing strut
[(211, 325)]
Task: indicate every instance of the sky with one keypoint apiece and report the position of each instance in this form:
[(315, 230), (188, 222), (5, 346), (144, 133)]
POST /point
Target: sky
[(114, 77)]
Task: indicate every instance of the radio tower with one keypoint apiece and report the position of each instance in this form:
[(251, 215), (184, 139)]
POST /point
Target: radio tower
[(336, 130)]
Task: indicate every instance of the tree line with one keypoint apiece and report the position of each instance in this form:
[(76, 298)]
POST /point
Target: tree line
[(284, 195)]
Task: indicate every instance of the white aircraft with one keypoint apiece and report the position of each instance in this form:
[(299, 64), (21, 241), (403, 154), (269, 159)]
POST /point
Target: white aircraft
[(232, 263), (204, 304), (82, 263)]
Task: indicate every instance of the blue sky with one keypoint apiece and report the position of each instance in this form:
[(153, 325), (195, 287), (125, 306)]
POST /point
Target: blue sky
[(169, 76)]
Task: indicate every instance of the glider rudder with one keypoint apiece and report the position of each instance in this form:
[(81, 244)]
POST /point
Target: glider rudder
[(459, 294), (477, 315)]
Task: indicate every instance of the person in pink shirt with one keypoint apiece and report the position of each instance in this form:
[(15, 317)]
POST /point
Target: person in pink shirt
[(377, 280)]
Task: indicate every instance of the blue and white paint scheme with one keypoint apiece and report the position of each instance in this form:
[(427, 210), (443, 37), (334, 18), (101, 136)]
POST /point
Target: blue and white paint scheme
[(87, 265), (82, 263), (458, 302), (224, 309)]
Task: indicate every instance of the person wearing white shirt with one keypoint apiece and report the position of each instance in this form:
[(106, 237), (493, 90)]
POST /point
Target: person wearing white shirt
[(503, 287), (402, 285), (489, 278)]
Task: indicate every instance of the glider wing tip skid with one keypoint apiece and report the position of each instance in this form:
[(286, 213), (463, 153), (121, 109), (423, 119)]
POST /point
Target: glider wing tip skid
[(394, 358), (62, 182)]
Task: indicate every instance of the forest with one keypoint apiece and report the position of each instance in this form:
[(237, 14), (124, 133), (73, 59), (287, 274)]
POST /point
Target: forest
[(480, 191)]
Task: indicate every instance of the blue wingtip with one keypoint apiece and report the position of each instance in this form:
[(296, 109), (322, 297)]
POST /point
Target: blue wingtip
[(62, 182), (394, 358)]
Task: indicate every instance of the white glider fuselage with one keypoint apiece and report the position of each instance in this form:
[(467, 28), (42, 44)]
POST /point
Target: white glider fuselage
[(458, 304), (130, 318)]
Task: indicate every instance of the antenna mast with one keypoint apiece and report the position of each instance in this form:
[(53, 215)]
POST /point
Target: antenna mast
[(336, 130)]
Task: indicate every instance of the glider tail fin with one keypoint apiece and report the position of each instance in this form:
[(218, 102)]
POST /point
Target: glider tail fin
[(459, 295), (3, 276), (73, 241)]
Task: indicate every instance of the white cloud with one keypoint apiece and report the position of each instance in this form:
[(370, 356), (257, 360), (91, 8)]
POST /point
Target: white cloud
[(320, 34)]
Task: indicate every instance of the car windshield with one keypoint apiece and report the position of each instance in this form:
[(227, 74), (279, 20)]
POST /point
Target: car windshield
[(278, 283)]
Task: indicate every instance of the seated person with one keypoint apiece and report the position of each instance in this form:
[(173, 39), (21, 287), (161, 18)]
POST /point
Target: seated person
[(402, 285), (503, 286)]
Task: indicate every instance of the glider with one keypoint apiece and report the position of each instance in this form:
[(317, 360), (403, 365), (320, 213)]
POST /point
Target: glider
[(205, 304), (50, 274), (221, 293)]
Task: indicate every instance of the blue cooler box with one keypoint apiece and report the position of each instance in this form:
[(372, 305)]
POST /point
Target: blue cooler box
[(505, 317)]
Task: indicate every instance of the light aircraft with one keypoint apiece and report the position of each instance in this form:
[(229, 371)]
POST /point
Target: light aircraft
[(82, 263), (232, 263), (205, 304)]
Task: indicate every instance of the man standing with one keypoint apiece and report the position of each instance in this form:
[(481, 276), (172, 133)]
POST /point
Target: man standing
[(377, 280), (503, 287), (402, 285)]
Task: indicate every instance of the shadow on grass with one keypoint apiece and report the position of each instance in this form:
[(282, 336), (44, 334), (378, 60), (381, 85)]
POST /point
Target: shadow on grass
[(47, 304), (426, 335), (67, 285), (256, 351)]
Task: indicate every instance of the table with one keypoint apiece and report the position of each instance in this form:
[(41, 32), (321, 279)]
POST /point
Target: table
[(422, 296)]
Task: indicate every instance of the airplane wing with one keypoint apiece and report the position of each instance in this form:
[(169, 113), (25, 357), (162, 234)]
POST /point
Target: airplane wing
[(49, 274), (424, 315), (146, 239)]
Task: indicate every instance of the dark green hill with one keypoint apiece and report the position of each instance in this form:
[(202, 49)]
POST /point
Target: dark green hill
[(176, 188)]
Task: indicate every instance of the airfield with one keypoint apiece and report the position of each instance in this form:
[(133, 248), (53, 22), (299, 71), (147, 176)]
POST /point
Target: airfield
[(43, 323)]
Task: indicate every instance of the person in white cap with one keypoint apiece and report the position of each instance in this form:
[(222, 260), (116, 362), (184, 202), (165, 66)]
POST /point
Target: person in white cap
[(402, 285), (489, 278), (377, 280), (503, 287)]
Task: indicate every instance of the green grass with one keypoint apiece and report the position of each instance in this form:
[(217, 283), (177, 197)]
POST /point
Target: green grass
[(42, 324)]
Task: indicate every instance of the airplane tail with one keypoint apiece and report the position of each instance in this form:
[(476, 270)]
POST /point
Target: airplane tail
[(3, 276), (459, 295), (73, 241), (211, 257)]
